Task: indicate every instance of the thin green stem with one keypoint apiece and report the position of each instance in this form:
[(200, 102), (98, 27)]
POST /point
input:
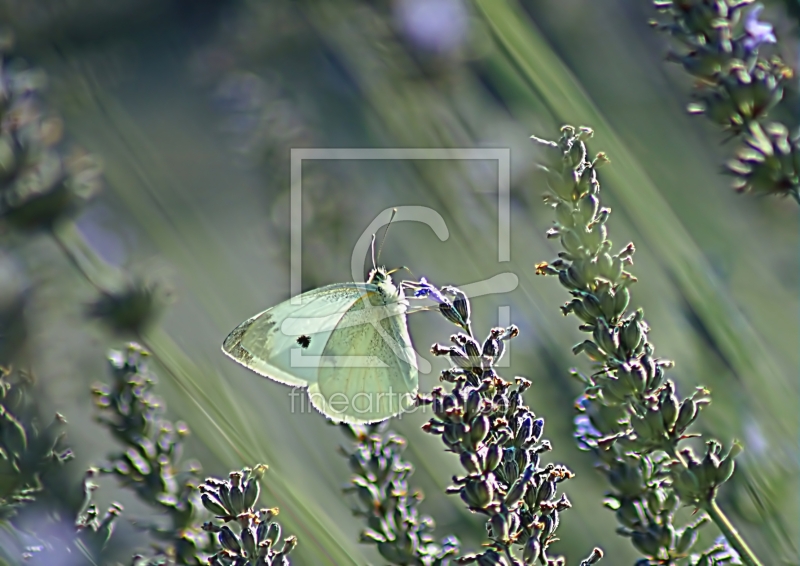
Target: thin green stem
[(508, 553), (719, 518), (731, 534), (723, 523), (76, 262)]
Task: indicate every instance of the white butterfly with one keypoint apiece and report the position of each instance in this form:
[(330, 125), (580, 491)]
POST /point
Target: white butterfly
[(348, 343)]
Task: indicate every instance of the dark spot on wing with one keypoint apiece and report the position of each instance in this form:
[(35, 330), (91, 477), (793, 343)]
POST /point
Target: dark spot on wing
[(304, 341)]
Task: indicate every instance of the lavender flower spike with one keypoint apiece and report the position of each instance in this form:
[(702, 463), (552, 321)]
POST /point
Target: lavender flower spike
[(757, 32)]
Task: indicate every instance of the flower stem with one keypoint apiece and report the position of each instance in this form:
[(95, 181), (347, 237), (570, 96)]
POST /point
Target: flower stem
[(99, 274), (731, 534), (75, 260), (723, 523)]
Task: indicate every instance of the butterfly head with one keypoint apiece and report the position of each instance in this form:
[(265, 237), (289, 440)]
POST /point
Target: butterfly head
[(382, 279), (379, 275)]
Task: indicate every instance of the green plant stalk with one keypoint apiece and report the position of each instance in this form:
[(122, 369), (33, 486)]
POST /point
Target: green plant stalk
[(731, 534), (723, 523), (76, 259)]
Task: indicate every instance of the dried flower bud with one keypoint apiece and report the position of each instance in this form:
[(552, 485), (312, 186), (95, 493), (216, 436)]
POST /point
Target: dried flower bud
[(460, 303), (478, 493), (469, 462), (494, 454), (479, 430), (251, 492), (229, 540), (214, 505)]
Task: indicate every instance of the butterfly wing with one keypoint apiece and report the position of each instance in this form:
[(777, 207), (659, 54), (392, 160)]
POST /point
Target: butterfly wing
[(368, 370), (284, 343)]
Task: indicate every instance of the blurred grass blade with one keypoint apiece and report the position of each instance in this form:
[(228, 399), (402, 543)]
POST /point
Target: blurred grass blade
[(742, 346)]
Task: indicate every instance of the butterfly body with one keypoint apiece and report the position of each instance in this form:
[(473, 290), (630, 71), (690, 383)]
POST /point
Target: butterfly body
[(347, 343)]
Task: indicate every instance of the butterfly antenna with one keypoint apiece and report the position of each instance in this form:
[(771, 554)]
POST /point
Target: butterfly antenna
[(402, 267), (394, 213), (372, 247), (423, 308)]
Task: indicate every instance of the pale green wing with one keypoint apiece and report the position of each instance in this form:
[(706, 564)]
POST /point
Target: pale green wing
[(368, 371), (268, 342)]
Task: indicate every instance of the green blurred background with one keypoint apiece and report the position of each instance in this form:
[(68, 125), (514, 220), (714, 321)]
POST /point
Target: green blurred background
[(193, 107)]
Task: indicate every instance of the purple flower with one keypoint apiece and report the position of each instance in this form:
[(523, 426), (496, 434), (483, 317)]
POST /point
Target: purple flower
[(585, 433), (438, 26), (757, 32), (582, 403), (425, 289), (757, 443)]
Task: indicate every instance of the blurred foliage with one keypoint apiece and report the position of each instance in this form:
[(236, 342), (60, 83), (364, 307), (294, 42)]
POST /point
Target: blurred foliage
[(41, 184), (29, 450), (736, 88), (150, 466), (194, 106), (150, 463)]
